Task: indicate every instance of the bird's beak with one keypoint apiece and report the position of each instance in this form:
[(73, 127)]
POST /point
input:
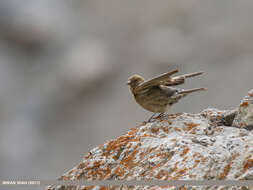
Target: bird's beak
[(128, 82)]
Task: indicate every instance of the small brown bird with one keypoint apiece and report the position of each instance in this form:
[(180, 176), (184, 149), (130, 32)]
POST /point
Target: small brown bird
[(156, 95)]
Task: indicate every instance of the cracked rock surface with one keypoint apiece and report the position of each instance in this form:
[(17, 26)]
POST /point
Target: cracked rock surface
[(209, 145)]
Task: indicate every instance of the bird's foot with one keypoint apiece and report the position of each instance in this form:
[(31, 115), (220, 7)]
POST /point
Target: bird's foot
[(160, 115), (151, 119)]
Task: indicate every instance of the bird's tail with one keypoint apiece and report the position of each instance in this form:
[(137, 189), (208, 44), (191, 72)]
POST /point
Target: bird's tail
[(190, 75), (177, 80), (191, 90)]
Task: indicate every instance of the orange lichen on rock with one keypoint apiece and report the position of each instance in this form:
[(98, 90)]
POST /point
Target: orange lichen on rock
[(182, 171), (185, 151), (103, 188), (97, 163), (191, 125), (244, 104), (87, 169), (86, 187), (131, 133), (163, 154), (107, 171), (82, 165), (118, 171), (240, 125), (196, 162), (87, 156), (155, 130), (165, 129), (225, 172), (65, 178), (192, 176), (99, 173), (141, 155), (250, 94), (177, 129), (128, 161), (134, 140), (204, 159), (120, 142), (146, 135), (247, 164), (160, 174), (129, 145), (174, 169)]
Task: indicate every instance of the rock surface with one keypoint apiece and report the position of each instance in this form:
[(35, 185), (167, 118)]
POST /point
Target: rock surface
[(244, 118), (182, 146)]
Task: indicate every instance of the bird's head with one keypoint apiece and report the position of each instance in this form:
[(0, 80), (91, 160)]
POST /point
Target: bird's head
[(135, 80)]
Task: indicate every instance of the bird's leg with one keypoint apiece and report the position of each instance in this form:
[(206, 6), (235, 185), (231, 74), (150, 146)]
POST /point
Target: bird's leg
[(161, 114), (151, 117)]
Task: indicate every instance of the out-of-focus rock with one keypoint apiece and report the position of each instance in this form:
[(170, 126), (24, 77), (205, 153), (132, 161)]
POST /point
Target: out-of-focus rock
[(32, 26), (244, 118), (179, 146), (86, 63), (167, 44)]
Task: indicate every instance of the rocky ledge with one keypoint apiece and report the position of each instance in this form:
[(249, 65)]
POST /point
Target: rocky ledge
[(214, 144)]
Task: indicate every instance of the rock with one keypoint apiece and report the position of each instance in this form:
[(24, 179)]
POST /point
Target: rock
[(244, 118), (229, 117), (87, 63), (179, 146), (220, 117)]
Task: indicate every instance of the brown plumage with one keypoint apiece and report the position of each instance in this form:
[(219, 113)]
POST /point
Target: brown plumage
[(156, 95)]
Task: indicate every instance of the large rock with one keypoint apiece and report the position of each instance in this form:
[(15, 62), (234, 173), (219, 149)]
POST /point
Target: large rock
[(244, 118), (180, 146)]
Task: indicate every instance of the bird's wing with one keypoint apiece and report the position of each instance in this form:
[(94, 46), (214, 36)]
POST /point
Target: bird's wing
[(191, 90), (168, 91), (156, 81), (180, 79)]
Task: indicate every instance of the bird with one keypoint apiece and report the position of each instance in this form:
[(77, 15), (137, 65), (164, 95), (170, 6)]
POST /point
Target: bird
[(157, 94)]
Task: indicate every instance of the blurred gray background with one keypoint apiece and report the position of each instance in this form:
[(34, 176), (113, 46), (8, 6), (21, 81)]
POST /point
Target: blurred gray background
[(64, 67)]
